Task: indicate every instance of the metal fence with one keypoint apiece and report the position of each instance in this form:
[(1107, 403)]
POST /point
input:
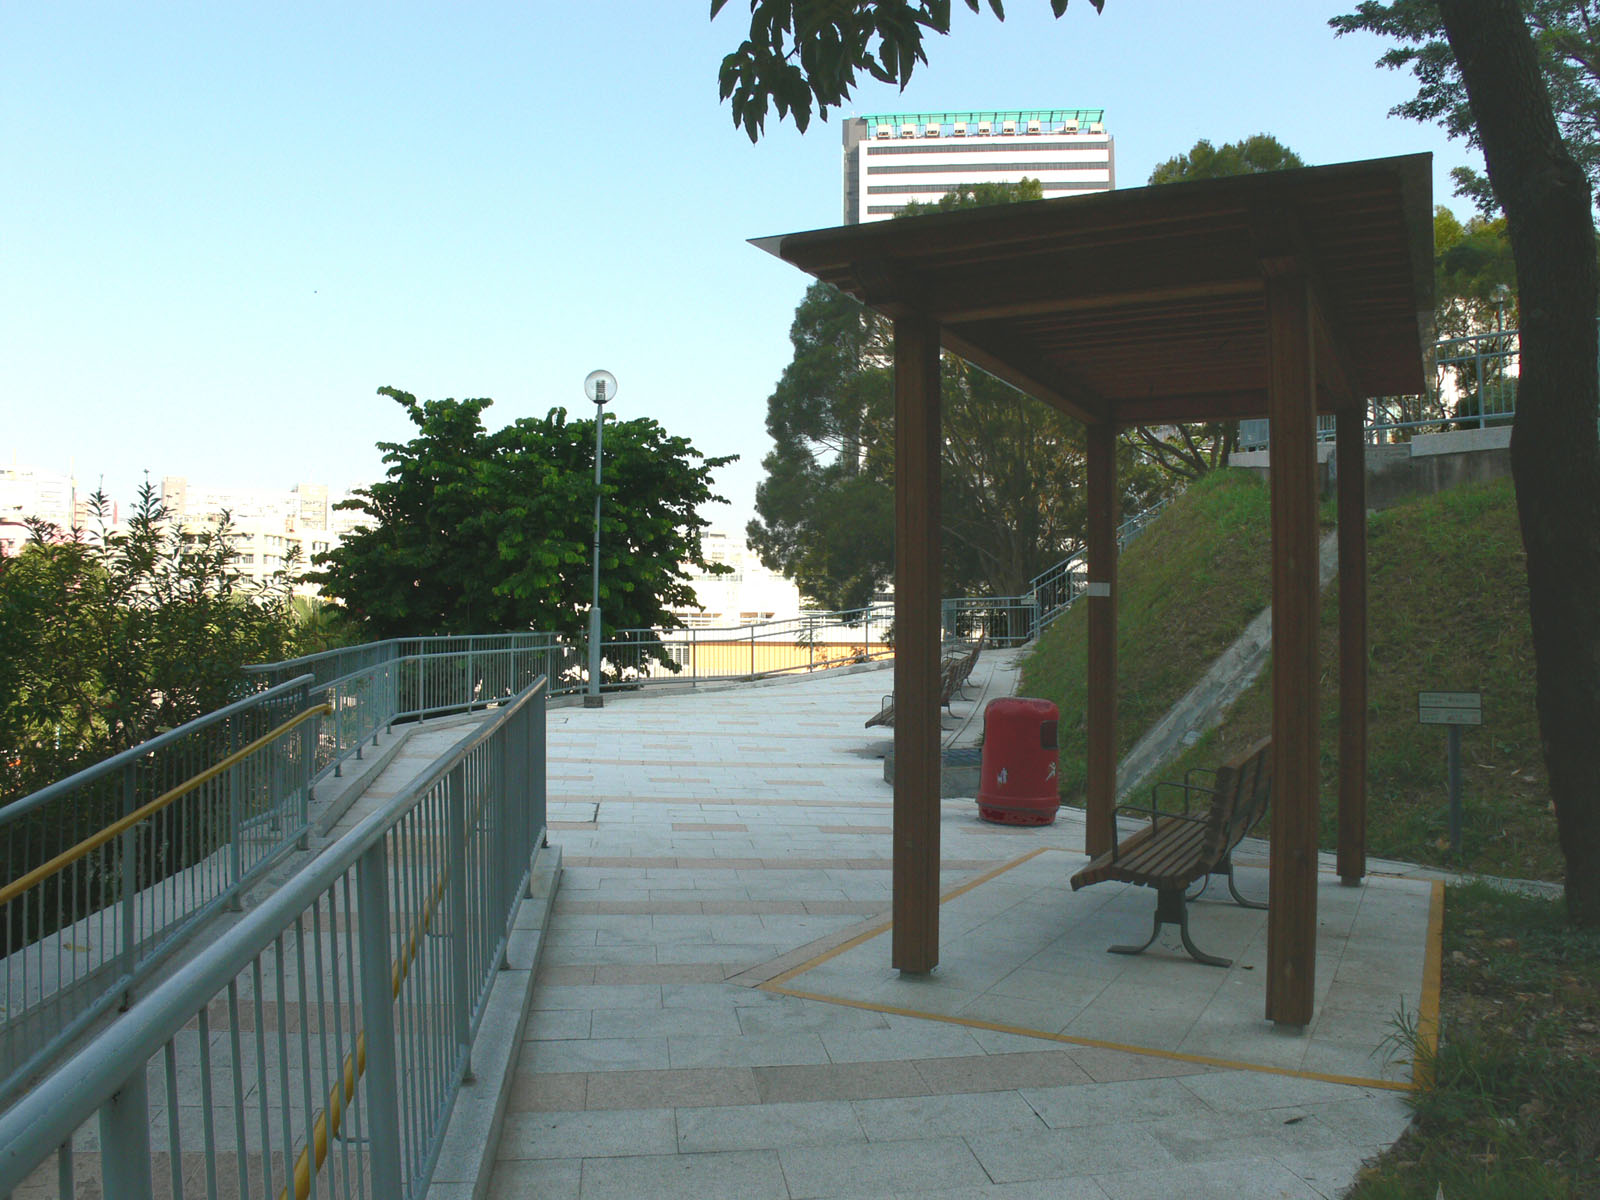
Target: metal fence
[(316, 1048), (634, 658), (1474, 387), (1051, 591), (370, 687), (106, 868)]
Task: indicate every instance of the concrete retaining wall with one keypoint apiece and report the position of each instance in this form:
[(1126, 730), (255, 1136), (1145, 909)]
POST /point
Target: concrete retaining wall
[(1429, 463)]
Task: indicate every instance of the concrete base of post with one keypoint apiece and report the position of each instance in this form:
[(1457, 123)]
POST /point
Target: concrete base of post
[(594, 701)]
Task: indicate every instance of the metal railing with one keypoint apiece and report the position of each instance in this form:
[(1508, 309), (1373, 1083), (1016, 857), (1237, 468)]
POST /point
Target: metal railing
[(370, 687), (107, 868), (1474, 386), (810, 642), (316, 1049), (1051, 591)]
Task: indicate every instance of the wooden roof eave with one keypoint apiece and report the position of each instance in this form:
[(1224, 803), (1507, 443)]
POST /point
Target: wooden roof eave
[(1055, 296)]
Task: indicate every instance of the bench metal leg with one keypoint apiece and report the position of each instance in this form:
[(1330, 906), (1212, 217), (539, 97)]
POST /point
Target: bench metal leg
[(1233, 888), (1172, 909), (1225, 867)]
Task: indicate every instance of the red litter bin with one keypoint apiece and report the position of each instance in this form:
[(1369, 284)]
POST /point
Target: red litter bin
[(1018, 783)]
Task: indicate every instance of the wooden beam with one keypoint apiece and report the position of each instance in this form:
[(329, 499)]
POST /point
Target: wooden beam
[(959, 310), (1350, 456), (1101, 716), (916, 662), (1199, 406), (1013, 364), (1292, 919)]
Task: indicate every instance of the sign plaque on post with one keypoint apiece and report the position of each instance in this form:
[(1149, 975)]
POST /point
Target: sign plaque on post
[(1452, 709)]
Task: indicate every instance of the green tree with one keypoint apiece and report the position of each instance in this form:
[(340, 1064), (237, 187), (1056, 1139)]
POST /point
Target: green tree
[(1566, 39), (1474, 274), (978, 195), (825, 511), (107, 641), (802, 55), (1260, 152), (479, 532)]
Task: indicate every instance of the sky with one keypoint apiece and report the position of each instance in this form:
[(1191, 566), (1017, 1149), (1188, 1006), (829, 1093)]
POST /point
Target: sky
[(225, 226)]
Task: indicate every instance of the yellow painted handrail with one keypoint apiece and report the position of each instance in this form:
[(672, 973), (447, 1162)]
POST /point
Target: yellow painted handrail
[(94, 841), (330, 1119)]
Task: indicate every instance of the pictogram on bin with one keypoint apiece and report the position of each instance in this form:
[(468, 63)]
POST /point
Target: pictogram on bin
[(1018, 782)]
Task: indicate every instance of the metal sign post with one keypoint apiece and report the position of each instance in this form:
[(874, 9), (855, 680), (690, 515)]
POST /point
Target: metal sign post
[(1452, 709)]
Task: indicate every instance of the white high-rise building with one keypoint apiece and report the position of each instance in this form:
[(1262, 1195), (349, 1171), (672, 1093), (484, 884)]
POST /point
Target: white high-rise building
[(895, 158), (749, 594)]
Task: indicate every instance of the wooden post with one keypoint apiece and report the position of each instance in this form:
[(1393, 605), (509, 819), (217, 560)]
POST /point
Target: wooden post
[(1291, 406), (1351, 449), (916, 646), (1101, 718)]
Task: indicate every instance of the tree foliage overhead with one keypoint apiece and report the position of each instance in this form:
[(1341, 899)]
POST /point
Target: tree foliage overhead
[(1248, 156), (805, 55), (478, 532), (106, 641), (1566, 37)]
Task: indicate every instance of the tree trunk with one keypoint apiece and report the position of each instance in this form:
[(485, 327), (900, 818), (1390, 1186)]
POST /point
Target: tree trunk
[(1555, 454)]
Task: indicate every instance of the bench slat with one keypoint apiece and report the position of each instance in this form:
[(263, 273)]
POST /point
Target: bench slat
[(1177, 852)]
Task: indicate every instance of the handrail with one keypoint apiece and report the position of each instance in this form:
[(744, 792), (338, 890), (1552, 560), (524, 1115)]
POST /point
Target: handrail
[(94, 841), (331, 1119), (48, 1114), (143, 750)]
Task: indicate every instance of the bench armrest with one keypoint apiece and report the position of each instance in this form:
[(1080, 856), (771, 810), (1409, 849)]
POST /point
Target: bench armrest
[(1186, 788)]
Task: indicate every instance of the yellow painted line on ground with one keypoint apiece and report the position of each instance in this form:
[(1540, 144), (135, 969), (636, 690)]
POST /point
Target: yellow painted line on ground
[(777, 981), (1392, 1085), (1432, 984), (1427, 1019)]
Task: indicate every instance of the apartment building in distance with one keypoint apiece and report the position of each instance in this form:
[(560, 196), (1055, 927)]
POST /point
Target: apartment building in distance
[(895, 158), (29, 494), (271, 527)]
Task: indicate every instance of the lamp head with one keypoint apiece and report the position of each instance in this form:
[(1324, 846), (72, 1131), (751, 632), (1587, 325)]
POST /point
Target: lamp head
[(600, 386)]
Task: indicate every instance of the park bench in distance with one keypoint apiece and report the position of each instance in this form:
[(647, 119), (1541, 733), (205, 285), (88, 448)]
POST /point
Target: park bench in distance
[(1177, 848), (954, 671)]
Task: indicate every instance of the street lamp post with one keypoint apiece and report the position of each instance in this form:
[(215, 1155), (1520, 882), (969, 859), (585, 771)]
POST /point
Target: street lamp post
[(599, 386)]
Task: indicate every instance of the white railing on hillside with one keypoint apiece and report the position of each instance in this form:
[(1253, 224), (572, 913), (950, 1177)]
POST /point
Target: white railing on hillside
[(1051, 591)]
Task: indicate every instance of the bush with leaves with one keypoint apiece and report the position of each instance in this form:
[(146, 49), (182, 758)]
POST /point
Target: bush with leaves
[(106, 641), (484, 532)]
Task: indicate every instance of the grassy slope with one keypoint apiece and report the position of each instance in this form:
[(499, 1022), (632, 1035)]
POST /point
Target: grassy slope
[(1188, 586), (1448, 610)]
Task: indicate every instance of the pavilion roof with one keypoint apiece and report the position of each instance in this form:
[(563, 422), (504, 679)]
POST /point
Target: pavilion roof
[(1146, 305)]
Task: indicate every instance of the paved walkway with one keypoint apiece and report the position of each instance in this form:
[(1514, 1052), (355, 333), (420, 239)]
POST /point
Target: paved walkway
[(715, 1015)]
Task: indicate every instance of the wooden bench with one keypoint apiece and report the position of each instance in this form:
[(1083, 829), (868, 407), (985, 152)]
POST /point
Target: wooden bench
[(1177, 849), (954, 671)]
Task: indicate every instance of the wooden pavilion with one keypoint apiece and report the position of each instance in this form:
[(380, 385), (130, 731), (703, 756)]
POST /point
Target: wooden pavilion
[(1282, 295)]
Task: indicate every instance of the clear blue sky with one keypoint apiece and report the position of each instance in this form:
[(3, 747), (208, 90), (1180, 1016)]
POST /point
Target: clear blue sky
[(225, 225)]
